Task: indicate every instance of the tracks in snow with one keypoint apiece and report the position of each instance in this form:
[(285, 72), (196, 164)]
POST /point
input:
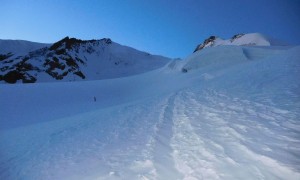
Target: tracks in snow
[(208, 135), (193, 134), (191, 156), (162, 151)]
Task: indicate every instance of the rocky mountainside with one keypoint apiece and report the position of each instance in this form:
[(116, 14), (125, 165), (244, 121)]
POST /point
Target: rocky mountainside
[(73, 59), (251, 39)]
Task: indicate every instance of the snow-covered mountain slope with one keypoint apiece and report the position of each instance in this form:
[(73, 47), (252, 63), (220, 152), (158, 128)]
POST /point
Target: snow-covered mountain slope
[(251, 39), (19, 47), (235, 117), (72, 59), (227, 56)]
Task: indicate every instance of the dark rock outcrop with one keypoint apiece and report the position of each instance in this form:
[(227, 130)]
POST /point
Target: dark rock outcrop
[(207, 43)]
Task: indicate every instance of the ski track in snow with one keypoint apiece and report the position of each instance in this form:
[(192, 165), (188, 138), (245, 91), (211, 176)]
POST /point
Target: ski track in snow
[(189, 135)]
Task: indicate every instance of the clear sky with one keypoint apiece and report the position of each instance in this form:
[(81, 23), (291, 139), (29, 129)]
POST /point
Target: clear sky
[(171, 28)]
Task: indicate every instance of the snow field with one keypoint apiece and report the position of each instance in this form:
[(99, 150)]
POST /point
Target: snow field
[(220, 120)]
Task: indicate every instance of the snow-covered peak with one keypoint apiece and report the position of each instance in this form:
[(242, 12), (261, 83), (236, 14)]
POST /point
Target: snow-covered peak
[(71, 59), (251, 39)]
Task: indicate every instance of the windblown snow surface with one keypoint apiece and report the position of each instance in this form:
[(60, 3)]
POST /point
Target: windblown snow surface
[(235, 114)]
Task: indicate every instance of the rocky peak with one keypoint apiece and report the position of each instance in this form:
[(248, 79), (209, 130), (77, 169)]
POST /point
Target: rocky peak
[(207, 43), (237, 36), (69, 43)]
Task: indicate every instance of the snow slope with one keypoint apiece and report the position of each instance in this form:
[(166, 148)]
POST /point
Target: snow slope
[(233, 114), (19, 47)]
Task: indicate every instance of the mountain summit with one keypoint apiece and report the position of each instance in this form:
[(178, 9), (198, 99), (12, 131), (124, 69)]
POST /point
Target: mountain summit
[(72, 59), (251, 39)]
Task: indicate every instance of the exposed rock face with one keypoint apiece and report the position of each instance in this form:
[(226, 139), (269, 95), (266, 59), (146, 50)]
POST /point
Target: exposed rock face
[(209, 42), (55, 57), (236, 37)]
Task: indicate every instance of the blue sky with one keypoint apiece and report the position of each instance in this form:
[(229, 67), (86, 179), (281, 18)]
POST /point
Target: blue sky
[(168, 27)]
